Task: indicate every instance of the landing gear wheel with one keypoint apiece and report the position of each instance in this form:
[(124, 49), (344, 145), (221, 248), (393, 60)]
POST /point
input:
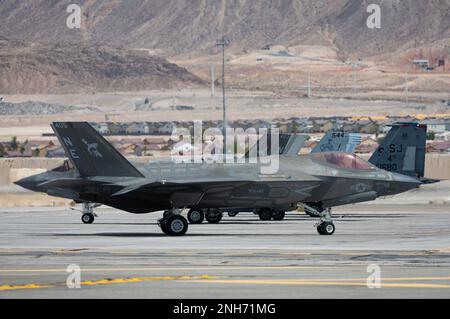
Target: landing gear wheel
[(164, 228), (214, 216), (195, 216), (232, 214), (87, 218), (278, 214), (265, 214), (174, 225), (326, 228)]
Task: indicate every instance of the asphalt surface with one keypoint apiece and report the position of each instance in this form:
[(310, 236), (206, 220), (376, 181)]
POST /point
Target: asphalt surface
[(127, 256)]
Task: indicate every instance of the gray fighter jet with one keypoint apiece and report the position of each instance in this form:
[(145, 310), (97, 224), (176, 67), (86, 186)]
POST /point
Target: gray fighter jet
[(319, 181), (290, 145)]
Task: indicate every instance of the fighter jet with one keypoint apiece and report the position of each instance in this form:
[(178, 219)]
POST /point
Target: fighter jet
[(401, 151), (337, 141), (290, 145), (319, 181)]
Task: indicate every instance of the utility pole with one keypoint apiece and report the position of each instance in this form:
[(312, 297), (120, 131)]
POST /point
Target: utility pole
[(309, 84), (355, 65), (223, 42), (406, 89), (213, 76)]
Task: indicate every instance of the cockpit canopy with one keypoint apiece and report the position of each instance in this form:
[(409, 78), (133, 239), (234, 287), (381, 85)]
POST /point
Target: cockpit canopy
[(65, 167), (343, 160)]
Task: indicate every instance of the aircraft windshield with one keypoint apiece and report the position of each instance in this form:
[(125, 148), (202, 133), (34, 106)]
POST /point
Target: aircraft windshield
[(344, 160)]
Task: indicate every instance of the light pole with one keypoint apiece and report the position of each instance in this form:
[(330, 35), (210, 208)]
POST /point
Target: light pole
[(212, 80), (223, 42), (355, 65), (309, 84)]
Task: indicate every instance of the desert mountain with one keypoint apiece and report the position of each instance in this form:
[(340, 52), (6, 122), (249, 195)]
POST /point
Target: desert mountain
[(187, 26), (29, 68)]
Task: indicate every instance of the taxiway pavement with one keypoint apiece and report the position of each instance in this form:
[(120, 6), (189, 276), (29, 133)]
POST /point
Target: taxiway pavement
[(127, 256)]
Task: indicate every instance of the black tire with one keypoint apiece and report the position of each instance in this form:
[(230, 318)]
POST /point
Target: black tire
[(278, 214), (164, 228), (87, 218), (265, 214), (232, 214), (195, 216), (326, 228), (175, 225), (213, 216)]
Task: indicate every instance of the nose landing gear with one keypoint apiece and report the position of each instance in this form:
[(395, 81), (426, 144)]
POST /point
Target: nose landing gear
[(325, 226), (88, 216)]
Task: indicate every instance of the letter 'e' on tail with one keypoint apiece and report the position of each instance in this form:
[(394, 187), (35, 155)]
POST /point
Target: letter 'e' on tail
[(90, 153)]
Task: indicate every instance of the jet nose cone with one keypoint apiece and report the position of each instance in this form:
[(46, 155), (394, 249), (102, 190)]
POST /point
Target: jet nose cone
[(27, 183)]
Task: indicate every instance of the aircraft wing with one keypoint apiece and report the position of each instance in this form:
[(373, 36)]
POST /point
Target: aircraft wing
[(190, 192), (192, 184), (181, 193)]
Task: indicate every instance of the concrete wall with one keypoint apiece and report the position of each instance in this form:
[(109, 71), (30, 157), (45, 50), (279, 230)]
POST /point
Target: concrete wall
[(437, 166)]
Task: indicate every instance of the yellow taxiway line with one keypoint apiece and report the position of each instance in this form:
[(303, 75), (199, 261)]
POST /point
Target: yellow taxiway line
[(328, 282), (391, 282), (109, 282)]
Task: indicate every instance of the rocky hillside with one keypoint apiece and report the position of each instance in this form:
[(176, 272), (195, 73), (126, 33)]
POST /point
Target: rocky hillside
[(40, 108), (29, 68), (186, 26)]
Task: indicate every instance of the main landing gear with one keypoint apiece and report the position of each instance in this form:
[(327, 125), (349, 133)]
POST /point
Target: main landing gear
[(268, 214), (173, 224), (197, 215), (325, 226), (213, 216)]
